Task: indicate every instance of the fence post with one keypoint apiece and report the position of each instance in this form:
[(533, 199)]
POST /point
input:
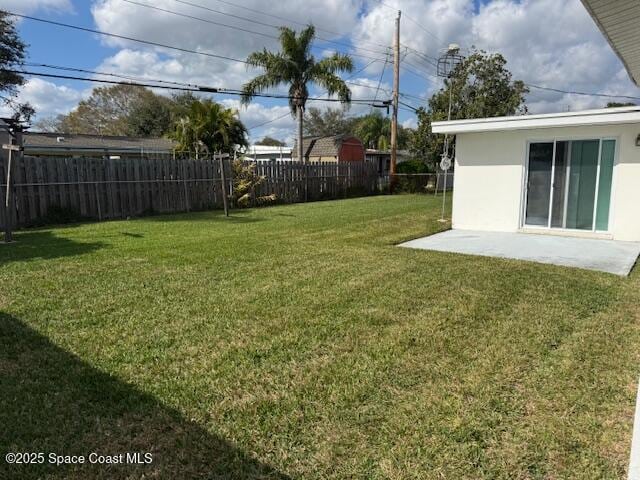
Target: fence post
[(184, 183), (223, 180), (305, 169)]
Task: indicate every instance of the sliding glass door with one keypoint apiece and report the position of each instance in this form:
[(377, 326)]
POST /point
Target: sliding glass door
[(569, 184)]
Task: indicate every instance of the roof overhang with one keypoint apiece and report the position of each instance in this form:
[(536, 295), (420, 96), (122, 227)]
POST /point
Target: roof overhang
[(619, 22), (604, 116)]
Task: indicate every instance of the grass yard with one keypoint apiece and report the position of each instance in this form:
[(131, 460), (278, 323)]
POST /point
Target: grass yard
[(299, 342)]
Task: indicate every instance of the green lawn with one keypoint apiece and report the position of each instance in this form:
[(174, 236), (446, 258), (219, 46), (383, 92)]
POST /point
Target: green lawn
[(299, 342)]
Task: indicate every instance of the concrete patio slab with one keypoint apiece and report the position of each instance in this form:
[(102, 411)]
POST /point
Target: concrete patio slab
[(593, 254)]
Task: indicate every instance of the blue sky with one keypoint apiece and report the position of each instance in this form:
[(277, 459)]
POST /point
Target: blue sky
[(546, 42)]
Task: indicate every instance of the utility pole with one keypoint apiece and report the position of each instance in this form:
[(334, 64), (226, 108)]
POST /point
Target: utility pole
[(396, 88)]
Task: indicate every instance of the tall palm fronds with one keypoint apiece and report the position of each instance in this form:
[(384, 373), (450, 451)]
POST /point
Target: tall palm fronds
[(295, 66)]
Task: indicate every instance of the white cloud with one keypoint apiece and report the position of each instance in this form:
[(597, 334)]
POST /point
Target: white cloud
[(261, 120), (30, 6), (410, 123), (546, 42), (137, 21), (47, 98)]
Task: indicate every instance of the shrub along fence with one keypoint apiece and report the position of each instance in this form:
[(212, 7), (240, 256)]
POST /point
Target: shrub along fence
[(424, 182), (53, 189)]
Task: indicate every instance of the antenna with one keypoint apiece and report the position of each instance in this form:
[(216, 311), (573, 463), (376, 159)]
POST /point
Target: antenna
[(449, 60), (447, 64)]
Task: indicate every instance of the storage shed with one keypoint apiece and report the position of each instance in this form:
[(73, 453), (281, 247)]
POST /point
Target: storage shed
[(333, 148)]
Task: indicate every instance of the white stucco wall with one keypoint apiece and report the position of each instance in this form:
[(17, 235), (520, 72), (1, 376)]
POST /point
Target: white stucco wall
[(490, 170)]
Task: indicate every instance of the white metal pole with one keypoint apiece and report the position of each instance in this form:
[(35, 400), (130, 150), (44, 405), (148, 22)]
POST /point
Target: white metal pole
[(8, 235)]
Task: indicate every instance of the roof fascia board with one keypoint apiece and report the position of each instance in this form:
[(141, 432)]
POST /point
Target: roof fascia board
[(530, 123)]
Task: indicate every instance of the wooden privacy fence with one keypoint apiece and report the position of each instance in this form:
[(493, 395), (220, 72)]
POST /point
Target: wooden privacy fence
[(103, 188)]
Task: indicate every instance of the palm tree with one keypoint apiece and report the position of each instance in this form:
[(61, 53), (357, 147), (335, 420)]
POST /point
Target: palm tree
[(295, 66), (374, 131), (209, 127)]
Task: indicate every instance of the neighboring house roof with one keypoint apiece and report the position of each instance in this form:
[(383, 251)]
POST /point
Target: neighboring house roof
[(603, 116), (328, 146), (619, 22), (266, 149), (36, 141)]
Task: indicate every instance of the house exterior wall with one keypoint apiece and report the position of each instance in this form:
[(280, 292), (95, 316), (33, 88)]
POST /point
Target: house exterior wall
[(317, 159), (490, 174)]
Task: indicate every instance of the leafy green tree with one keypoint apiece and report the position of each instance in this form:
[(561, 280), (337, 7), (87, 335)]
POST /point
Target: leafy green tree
[(150, 116), (209, 127), (321, 123), (12, 52), (481, 86), (296, 67), (181, 104), (270, 142), (422, 142), (49, 124), (124, 110), (106, 111)]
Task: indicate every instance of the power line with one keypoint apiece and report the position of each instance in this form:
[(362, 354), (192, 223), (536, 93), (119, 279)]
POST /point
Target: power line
[(289, 113), (363, 68), (422, 75), (408, 18), (123, 37), (422, 58), (235, 5), (195, 86), (380, 79), (202, 89), (268, 121), (184, 15), (419, 69), (233, 27), (414, 109), (114, 82), (184, 84), (428, 58), (146, 42), (589, 94), (109, 74)]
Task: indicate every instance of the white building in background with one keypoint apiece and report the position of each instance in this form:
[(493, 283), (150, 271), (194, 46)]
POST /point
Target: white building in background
[(267, 153)]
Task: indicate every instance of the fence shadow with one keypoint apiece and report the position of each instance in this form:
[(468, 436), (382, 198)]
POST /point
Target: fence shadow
[(52, 401), (43, 245)]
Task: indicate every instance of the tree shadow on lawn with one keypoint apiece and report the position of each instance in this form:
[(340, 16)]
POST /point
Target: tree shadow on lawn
[(43, 244), (52, 401)]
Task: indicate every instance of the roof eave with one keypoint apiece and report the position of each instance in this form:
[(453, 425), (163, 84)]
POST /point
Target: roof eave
[(597, 21), (524, 123)]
